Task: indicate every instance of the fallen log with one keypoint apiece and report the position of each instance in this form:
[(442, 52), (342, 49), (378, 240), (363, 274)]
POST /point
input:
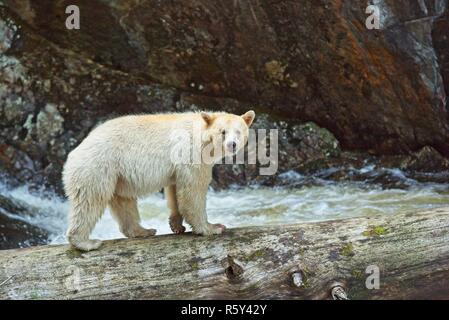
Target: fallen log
[(320, 260)]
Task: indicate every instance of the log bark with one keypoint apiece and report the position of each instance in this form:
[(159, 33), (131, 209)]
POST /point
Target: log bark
[(301, 261)]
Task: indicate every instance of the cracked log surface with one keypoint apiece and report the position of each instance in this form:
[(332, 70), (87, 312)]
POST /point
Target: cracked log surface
[(411, 250)]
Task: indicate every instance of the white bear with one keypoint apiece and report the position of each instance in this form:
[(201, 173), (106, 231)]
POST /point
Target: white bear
[(132, 156)]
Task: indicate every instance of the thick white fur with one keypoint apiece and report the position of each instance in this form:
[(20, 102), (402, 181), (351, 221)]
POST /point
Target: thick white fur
[(129, 157)]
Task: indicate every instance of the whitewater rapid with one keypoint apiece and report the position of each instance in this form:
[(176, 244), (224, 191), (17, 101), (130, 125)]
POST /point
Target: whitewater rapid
[(238, 207)]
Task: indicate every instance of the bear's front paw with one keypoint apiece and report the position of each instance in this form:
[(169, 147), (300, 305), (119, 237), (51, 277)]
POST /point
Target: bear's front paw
[(138, 232), (176, 226), (178, 229), (219, 228), (144, 233), (86, 245), (216, 228)]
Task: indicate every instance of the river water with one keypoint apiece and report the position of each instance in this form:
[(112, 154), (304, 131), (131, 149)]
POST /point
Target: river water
[(256, 205)]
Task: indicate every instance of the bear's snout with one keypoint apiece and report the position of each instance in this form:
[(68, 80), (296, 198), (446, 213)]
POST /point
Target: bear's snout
[(231, 145)]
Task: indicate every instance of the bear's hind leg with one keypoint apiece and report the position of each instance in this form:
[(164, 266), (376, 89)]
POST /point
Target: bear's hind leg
[(175, 219), (125, 212), (82, 220)]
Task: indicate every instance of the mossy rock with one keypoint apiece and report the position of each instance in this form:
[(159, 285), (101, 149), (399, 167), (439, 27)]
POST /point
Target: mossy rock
[(347, 250), (375, 231)]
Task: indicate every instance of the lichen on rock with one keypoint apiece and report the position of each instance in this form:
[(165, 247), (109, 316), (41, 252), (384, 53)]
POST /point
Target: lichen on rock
[(7, 33), (49, 123)]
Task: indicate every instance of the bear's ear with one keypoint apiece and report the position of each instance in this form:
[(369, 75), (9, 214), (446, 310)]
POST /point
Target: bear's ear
[(249, 117), (207, 117)]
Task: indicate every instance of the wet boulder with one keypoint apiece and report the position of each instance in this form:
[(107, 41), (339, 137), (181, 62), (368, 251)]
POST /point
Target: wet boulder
[(15, 232), (425, 160)]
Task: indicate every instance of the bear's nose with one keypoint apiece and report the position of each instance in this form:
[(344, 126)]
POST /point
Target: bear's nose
[(232, 145)]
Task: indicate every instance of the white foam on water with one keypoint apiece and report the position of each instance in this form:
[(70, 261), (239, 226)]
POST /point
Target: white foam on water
[(252, 206), (51, 209)]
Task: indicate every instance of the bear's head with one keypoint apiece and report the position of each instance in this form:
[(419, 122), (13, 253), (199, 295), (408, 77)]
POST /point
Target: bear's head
[(227, 132)]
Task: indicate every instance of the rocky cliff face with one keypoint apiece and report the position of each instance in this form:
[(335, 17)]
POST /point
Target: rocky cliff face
[(381, 91)]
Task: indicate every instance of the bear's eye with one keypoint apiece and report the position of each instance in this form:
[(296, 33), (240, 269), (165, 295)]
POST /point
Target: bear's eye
[(238, 132), (223, 132)]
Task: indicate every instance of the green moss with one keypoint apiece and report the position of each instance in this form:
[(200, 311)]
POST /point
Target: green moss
[(357, 274), (347, 250), (305, 278), (375, 231), (306, 283), (35, 295), (73, 253), (194, 265), (257, 254)]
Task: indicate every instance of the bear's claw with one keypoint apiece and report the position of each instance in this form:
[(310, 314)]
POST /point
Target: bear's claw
[(176, 226), (178, 229), (221, 226)]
